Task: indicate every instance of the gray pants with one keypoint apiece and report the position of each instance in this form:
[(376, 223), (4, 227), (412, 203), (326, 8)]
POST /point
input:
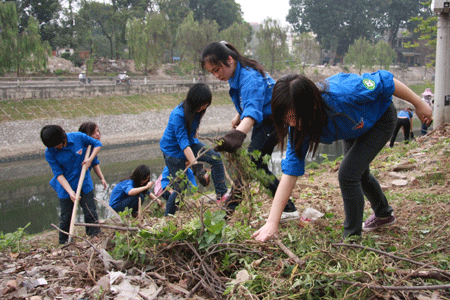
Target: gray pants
[(355, 179)]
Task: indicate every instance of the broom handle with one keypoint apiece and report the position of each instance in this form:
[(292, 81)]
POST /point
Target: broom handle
[(77, 195)]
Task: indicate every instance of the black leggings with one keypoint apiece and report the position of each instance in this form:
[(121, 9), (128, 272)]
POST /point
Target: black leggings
[(355, 179)]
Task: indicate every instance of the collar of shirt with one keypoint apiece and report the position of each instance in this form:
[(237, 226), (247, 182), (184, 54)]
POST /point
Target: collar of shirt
[(234, 81)]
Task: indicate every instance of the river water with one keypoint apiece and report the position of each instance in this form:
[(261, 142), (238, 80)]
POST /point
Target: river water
[(26, 196)]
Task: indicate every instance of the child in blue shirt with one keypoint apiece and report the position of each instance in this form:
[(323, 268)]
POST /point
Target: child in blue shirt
[(65, 154), (128, 191), (355, 108), (180, 144)]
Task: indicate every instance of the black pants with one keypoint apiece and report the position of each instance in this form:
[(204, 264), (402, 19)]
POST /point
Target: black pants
[(87, 203), (406, 124), (264, 139), (355, 179)]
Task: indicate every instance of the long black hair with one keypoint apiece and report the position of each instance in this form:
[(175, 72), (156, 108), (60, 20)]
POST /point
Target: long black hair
[(198, 95), (218, 52), (139, 174), (298, 94)]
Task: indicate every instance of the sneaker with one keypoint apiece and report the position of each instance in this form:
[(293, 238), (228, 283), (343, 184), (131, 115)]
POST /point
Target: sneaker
[(223, 199), (374, 222), (289, 216)]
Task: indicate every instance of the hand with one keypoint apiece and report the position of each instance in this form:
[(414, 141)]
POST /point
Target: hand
[(235, 122), (231, 141), (424, 112), (200, 174), (105, 185), (86, 163), (265, 232), (72, 196), (149, 185)]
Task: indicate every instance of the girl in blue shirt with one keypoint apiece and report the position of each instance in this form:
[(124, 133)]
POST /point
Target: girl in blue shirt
[(356, 109), (128, 191), (179, 143), (404, 119), (250, 91), (92, 130)]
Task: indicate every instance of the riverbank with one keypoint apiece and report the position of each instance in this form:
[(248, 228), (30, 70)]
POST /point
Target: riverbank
[(20, 139)]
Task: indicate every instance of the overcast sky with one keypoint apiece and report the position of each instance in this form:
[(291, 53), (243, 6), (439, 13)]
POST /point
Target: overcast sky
[(258, 10)]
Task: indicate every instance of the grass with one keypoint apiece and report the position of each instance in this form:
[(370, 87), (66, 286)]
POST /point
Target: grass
[(15, 110)]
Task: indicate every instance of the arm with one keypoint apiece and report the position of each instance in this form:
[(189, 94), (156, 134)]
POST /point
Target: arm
[(138, 190), (94, 153), (99, 173), (282, 195), (423, 110), (246, 125), (235, 121), (189, 155), (65, 184)]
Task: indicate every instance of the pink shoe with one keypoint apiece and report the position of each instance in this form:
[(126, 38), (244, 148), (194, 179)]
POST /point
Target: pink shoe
[(223, 200)]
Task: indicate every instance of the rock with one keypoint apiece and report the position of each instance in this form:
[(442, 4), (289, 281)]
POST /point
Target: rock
[(397, 175), (400, 182)]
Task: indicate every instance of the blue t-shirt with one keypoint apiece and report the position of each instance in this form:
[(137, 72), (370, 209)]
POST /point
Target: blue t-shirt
[(120, 192), (165, 180), (67, 161), (356, 103), (251, 93), (405, 114), (175, 138)]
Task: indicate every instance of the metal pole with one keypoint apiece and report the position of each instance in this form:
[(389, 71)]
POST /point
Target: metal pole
[(441, 113)]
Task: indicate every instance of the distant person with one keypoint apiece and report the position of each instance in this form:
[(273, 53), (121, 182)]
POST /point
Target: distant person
[(65, 154), (127, 192), (357, 109), (92, 130), (250, 91), (179, 144), (427, 96), (82, 77), (404, 120)]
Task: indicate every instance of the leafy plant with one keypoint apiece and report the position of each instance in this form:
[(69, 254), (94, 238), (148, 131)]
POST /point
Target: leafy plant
[(12, 241)]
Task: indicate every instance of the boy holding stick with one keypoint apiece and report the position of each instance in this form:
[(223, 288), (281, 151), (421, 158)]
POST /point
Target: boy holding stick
[(65, 154)]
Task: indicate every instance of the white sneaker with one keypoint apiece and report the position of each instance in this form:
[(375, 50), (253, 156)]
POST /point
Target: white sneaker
[(289, 216)]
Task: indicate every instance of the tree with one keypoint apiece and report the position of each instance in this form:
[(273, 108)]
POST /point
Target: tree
[(272, 48), (336, 23), (360, 53), (20, 51), (306, 49), (427, 34), (384, 54), (238, 35), (147, 38), (224, 12), (192, 37), (176, 11), (391, 14)]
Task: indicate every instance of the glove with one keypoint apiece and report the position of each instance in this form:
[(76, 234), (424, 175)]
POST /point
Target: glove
[(231, 141), (200, 174)]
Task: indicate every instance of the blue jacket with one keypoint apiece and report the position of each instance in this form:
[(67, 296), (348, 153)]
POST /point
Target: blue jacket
[(67, 161), (165, 180), (405, 114), (356, 103), (251, 93), (120, 192), (175, 138)]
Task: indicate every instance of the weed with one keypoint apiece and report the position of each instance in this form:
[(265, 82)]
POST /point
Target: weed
[(13, 240)]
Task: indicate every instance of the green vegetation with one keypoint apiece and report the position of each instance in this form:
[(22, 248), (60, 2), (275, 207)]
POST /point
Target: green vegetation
[(12, 110)]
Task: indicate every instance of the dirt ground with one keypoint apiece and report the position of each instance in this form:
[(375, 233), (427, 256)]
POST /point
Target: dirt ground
[(84, 269)]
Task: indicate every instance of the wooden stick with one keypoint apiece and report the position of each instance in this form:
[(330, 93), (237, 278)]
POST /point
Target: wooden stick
[(77, 195)]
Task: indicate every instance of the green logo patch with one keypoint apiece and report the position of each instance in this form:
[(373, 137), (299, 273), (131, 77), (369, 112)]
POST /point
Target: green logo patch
[(369, 84)]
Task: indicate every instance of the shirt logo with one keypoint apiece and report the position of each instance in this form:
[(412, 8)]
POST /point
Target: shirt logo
[(360, 125), (369, 84), (79, 152)]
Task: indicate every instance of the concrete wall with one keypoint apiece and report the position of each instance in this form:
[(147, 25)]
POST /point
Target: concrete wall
[(88, 91)]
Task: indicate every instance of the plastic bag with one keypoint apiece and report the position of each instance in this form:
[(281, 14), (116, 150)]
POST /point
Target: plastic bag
[(310, 215)]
